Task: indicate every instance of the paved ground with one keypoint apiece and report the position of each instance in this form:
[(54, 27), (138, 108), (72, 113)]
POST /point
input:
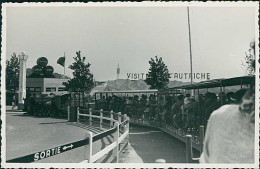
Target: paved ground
[(152, 144), (27, 134)]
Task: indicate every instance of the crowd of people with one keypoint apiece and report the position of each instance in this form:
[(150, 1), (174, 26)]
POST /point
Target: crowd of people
[(183, 111)]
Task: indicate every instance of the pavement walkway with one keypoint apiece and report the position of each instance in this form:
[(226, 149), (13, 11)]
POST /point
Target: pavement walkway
[(28, 134)]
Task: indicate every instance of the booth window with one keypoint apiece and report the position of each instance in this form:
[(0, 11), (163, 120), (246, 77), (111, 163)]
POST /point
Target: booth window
[(38, 89), (50, 89), (61, 88)]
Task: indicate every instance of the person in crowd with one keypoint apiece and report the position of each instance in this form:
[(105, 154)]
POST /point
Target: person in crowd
[(210, 104), (129, 103), (221, 99), (170, 100), (193, 113), (108, 99), (161, 109), (135, 106), (237, 97), (143, 102), (123, 105), (102, 103), (230, 96), (152, 106), (176, 111), (186, 112), (230, 133), (187, 95), (189, 112), (112, 103), (201, 108), (13, 102)]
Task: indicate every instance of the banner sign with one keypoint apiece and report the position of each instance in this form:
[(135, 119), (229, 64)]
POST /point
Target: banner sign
[(49, 152)]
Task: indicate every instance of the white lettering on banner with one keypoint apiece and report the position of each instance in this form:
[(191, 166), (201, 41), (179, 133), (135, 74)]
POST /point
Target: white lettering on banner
[(51, 152), (66, 147), (175, 76), (47, 153)]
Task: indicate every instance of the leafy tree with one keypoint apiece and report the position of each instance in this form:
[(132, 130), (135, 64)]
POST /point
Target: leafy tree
[(12, 73), (158, 75), (249, 59), (82, 78)]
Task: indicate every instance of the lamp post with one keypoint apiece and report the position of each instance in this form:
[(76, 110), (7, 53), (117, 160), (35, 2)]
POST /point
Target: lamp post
[(22, 80)]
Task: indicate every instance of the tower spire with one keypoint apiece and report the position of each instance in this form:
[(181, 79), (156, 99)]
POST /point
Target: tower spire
[(118, 71)]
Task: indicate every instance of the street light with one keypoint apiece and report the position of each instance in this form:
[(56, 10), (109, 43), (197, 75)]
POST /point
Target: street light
[(23, 56)]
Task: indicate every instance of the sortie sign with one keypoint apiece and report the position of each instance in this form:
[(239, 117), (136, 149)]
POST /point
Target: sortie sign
[(49, 152)]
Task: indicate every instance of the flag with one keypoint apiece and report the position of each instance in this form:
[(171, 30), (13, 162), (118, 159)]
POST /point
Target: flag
[(61, 61)]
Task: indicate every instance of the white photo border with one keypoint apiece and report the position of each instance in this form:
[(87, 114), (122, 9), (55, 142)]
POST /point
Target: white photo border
[(120, 5)]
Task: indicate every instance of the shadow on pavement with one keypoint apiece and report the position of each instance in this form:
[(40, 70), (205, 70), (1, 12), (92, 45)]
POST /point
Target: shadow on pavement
[(53, 122)]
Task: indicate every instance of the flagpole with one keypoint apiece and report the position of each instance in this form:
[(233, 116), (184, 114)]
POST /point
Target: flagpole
[(190, 45), (64, 64)]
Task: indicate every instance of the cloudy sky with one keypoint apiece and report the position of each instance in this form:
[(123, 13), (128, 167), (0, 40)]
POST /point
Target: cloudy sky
[(132, 35)]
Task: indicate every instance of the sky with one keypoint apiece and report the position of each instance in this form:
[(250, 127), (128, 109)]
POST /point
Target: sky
[(131, 36)]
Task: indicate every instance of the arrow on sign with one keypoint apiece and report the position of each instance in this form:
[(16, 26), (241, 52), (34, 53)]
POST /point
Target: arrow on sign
[(66, 147)]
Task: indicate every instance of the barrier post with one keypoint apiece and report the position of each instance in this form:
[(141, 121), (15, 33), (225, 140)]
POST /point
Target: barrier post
[(116, 137), (112, 117), (160, 161), (68, 113), (77, 114), (90, 116), (101, 118), (127, 128), (119, 117), (88, 147), (201, 138), (188, 149)]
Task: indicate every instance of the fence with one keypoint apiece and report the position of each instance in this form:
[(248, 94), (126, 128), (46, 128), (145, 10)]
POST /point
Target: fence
[(118, 128), (120, 123)]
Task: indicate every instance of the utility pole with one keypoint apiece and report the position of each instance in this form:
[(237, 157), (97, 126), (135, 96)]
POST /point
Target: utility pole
[(190, 46), (64, 64)]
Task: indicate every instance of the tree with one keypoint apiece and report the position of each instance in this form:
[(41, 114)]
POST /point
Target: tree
[(12, 73), (82, 78), (249, 59), (158, 75)]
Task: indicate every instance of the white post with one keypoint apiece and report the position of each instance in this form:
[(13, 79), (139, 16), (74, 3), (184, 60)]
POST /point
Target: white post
[(119, 117), (78, 114), (116, 137), (101, 118), (90, 117), (188, 149), (112, 117), (125, 127), (201, 138), (128, 129), (22, 80), (160, 161), (68, 113), (88, 147)]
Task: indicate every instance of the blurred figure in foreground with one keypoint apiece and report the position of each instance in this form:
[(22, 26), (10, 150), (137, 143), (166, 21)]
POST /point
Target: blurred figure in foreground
[(230, 133)]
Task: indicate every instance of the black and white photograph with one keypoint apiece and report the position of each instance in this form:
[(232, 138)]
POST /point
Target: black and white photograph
[(130, 84)]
